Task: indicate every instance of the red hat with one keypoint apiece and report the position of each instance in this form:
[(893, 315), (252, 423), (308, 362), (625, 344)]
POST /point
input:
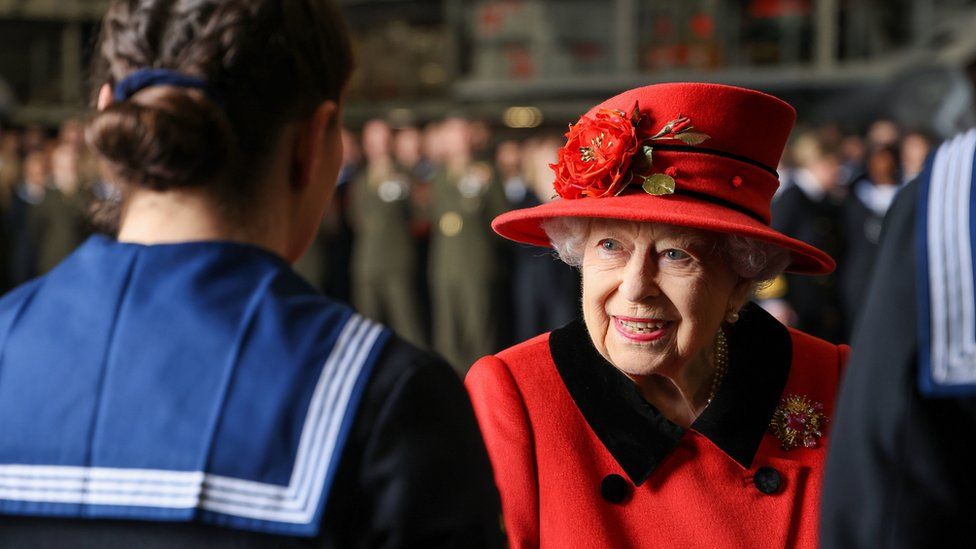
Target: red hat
[(694, 155)]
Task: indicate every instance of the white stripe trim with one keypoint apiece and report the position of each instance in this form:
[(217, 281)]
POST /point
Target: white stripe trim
[(951, 291), (294, 503)]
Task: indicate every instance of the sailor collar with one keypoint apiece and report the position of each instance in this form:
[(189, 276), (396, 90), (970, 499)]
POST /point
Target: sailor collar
[(638, 436)]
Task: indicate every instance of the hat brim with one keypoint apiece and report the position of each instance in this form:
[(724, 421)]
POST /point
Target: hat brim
[(684, 211)]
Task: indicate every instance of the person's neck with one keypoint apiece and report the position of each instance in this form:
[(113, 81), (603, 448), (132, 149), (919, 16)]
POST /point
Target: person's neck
[(683, 395), (150, 217)]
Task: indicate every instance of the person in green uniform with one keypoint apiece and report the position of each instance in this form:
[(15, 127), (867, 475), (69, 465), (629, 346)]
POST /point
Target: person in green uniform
[(384, 256), (466, 260), (58, 222)]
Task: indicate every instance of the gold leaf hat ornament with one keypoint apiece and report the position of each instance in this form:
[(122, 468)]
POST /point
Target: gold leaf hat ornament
[(798, 421), (680, 129)]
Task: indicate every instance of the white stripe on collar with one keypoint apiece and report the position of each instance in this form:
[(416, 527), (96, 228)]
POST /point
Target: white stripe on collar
[(950, 264), (296, 503)]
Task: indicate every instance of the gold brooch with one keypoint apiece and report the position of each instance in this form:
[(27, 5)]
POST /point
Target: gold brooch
[(798, 421)]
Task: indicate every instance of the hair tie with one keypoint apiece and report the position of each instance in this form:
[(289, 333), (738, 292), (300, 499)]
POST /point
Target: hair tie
[(145, 78)]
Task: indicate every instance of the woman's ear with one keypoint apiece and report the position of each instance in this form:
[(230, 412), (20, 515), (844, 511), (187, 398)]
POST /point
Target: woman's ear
[(740, 294), (104, 97), (309, 156)]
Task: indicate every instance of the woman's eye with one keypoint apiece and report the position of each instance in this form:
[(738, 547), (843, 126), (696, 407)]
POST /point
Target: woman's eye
[(676, 255), (609, 245)]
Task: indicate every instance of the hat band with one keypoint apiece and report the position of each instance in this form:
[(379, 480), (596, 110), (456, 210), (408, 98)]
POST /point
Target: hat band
[(722, 154), (711, 199)]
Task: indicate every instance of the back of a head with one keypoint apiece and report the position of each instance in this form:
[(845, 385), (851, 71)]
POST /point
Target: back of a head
[(264, 62)]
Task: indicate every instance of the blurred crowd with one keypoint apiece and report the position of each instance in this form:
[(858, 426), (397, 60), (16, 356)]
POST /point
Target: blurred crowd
[(408, 241), (47, 181), (836, 188)]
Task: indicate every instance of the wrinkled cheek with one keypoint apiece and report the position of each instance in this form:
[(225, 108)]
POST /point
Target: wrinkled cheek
[(593, 300)]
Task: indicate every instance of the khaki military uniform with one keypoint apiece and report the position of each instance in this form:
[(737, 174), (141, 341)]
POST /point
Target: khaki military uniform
[(385, 264), (57, 225), (465, 269)]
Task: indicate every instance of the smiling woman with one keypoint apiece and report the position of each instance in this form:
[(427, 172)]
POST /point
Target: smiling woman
[(672, 412)]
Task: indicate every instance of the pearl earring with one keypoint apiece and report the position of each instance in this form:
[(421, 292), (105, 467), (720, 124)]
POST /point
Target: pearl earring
[(732, 317)]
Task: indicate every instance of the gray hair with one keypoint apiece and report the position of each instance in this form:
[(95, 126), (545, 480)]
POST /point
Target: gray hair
[(751, 259)]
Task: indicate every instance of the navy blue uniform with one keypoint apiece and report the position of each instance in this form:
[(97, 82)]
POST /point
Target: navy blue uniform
[(202, 392), (899, 473)]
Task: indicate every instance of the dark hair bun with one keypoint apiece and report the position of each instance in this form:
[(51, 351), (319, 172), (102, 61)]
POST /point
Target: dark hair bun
[(164, 138)]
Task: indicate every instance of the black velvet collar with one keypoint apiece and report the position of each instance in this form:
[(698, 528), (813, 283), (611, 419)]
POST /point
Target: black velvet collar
[(638, 436)]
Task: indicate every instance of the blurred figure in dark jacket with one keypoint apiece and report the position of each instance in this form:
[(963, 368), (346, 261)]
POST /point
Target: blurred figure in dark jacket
[(545, 291), (808, 210), (863, 212), (27, 195)]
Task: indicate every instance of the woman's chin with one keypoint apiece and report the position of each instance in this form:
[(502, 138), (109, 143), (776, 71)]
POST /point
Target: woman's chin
[(638, 360)]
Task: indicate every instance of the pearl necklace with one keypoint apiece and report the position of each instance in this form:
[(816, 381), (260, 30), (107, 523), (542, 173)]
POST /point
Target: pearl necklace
[(721, 364)]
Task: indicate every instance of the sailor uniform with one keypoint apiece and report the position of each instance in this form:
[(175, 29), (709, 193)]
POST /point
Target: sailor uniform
[(205, 384), (900, 470), (582, 460)]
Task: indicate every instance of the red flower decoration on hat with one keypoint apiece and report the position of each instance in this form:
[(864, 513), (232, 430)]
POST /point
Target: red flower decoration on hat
[(597, 155), (603, 154)]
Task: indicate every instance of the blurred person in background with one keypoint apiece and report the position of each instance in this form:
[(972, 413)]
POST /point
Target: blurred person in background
[(408, 143), (863, 212), (539, 308), (466, 269), (479, 133), (385, 256), (178, 384), (852, 157), (809, 210), (33, 138), (409, 154), (914, 150), (23, 240), (509, 166), (59, 221), (71, 133), (883, 133), (10, 165)]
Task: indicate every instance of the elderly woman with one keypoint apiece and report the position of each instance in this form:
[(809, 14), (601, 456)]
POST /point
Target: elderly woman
[(672, 413)]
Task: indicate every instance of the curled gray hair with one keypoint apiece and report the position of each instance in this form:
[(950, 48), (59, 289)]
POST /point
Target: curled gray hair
[(751, 259)]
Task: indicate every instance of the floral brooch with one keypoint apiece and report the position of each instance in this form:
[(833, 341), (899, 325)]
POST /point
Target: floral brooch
[(607, 152), (798, 421)]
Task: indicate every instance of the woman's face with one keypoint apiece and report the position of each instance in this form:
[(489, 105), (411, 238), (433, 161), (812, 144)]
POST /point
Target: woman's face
[(654, 295)]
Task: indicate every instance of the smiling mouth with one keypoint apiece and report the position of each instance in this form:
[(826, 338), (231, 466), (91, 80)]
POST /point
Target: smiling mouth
[(641, 329)]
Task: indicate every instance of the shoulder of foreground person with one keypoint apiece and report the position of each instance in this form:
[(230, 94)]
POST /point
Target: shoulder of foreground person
[(416, 472)]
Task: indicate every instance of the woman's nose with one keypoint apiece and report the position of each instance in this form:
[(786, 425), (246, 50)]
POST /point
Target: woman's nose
[(639, 280)]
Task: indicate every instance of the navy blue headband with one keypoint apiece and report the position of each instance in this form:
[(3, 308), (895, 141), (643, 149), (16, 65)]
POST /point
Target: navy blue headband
[(145, 78)]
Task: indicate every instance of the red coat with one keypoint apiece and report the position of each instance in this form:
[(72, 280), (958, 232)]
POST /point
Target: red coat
[(582, 461)]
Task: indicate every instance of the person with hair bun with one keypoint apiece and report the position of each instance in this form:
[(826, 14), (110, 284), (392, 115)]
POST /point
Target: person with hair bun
[(177, 384)]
